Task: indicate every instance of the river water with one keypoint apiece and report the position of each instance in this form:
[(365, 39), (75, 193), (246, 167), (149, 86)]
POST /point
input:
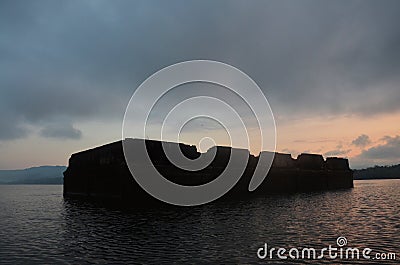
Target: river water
[(39, 226)]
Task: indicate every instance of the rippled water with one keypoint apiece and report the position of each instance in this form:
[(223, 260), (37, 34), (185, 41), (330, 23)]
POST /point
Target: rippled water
[(38, 226)]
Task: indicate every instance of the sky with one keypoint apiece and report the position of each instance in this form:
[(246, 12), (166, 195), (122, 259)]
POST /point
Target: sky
[(329, 69)]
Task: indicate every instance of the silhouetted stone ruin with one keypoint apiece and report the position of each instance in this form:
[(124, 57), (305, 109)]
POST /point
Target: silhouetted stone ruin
[(102, 172)]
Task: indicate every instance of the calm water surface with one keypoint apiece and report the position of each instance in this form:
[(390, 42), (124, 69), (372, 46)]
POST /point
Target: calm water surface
[(38, 226)]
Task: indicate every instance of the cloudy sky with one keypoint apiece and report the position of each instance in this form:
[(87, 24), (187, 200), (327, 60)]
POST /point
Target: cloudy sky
[(330, 70)]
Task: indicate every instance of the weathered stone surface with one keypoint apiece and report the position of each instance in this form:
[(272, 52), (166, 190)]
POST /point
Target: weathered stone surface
[(310, 161), (283, 161), (336, 163)]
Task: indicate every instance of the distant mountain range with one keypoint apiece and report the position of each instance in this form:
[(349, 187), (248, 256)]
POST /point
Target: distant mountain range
[(33, 175), (54, 174), (378, 172)]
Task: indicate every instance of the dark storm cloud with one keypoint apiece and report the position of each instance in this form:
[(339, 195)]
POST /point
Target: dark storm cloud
[(83, 59), (61, 131), (11, 130), (361, 140), (389, 150)]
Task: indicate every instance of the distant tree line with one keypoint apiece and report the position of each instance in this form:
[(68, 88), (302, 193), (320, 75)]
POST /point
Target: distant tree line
[(378, 172)]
